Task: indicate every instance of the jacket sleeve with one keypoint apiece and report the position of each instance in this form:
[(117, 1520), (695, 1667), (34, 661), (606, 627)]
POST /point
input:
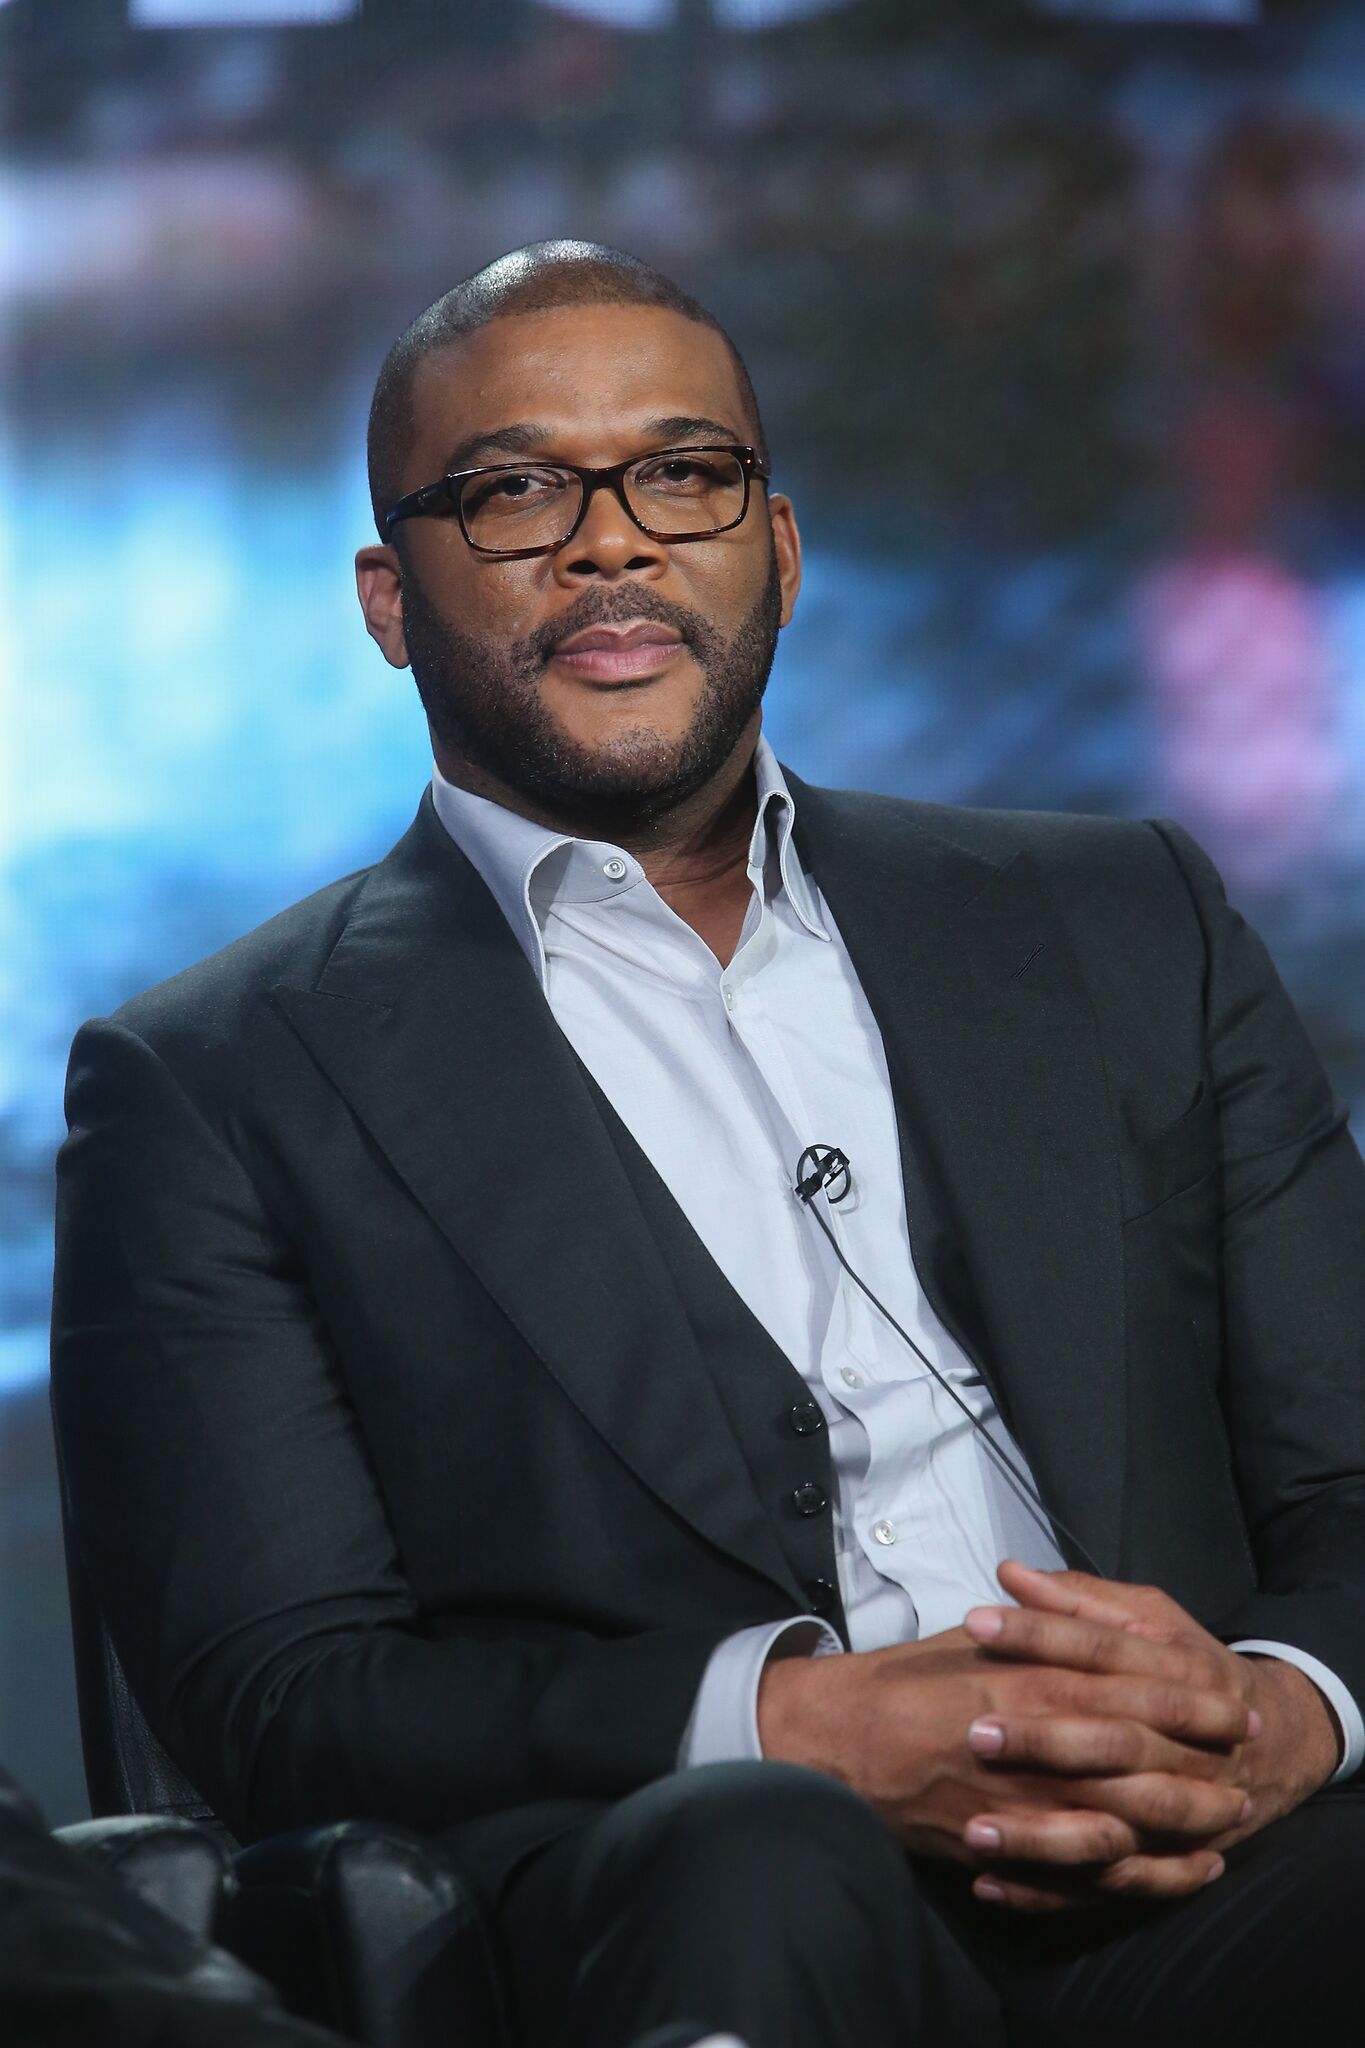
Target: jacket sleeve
[(235, 1536), (1293, 1267)]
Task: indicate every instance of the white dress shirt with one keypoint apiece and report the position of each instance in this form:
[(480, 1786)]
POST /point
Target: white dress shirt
[(723, 1077)]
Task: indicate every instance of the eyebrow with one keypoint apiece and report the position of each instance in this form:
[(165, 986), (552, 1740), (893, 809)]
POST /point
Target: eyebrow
[(529, 437)]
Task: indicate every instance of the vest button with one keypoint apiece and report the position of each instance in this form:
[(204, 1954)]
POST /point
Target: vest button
[(810, 1499), (822, 1596), (806, 1418)]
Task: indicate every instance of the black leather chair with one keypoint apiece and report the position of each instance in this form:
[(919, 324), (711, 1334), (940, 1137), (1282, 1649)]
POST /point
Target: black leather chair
[(365, 1928)]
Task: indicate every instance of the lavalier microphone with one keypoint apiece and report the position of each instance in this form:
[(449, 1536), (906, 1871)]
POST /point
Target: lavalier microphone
[(826, 1168)]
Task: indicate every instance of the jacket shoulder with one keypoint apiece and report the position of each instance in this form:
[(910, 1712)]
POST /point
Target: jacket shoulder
[(1092, 852)]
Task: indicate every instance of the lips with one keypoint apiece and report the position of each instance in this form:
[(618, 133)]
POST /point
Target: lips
[(620, 654), (646, 632)]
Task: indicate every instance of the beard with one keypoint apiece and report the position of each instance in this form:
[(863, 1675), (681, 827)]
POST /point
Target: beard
[(482, 700)]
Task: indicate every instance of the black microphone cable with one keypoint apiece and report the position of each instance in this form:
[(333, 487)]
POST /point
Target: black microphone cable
[(829, 1165)]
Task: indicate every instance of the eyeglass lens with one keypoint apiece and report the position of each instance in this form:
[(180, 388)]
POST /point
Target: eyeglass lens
[(674, 494)]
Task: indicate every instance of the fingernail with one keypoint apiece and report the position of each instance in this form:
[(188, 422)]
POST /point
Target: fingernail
[(1253, 1723), (984, 1621), (1245, 1814), (987, 1738), (987, 1888), (979, 1834), (1218, 1868)]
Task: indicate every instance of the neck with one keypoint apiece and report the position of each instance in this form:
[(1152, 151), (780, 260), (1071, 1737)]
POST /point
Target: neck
[(696, 853)]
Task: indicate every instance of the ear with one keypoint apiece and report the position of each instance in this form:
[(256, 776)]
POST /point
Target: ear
[(379, 585), (787, 548)]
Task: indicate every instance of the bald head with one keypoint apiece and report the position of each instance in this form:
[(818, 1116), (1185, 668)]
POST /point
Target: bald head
[(536, 279)]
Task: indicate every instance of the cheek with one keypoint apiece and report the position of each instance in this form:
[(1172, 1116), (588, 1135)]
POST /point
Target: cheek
[(486, 602), (736, 592)]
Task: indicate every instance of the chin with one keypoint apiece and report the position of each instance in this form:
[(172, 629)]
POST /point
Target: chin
[(638, 764), (628, 735)]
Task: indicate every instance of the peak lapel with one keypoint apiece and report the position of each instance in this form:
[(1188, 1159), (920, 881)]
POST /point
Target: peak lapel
[(429, 1021), (1006, 1150)]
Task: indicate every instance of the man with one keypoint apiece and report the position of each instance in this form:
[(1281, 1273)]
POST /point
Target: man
[(467, 1423)]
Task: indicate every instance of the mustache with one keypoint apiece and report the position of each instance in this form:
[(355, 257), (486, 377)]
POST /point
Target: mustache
[(613, 608)]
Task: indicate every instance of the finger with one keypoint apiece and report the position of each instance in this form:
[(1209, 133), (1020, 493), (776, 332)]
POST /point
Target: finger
[(1157, 1877), (1161, 1877), (1144, 1610), (1133, 1816), (1085, 1746), (1161, 1808), (1069, 1593), (1069, 1837), (1186, 1713), (1081, 1645), (1019, 1897)]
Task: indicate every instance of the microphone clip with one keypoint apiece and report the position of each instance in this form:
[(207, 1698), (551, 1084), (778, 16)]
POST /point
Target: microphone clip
[(822, 1166)]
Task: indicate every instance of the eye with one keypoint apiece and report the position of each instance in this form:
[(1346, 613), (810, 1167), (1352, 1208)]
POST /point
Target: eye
[(504, 489), (683, 472)]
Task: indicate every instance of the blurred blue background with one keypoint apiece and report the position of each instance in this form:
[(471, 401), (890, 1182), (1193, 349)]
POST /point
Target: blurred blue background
[(1056, 311)]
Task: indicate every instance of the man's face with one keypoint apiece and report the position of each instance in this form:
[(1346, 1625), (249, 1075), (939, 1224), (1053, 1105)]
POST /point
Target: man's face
[(636, 727)]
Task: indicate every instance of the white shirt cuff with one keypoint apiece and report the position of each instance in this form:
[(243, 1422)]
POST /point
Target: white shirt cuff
[(723, 1725), (1350, 1726)]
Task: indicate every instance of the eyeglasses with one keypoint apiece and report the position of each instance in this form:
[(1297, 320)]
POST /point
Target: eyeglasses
[(518, 510)]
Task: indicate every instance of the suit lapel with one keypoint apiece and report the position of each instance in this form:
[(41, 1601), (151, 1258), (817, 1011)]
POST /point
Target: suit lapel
[(1006, 1151), (429, 1021)]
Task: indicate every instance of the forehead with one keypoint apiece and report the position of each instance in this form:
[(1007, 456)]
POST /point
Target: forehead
[(591, 374)]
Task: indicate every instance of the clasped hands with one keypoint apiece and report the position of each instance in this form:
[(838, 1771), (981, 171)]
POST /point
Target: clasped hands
[(1091, 1742)]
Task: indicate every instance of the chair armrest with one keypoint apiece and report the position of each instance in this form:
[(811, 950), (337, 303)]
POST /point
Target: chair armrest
[(369, 1929), (174, 1865)]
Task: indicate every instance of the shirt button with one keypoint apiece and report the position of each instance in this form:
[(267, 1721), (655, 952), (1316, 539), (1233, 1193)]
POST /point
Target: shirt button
[(849, 1377), (615, 869), (885, 1532), (810, 1499), (727, 995), (806, 1418), (821, 1595)]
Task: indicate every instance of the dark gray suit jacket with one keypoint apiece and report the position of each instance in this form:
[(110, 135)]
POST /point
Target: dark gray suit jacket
[(420, 1454)]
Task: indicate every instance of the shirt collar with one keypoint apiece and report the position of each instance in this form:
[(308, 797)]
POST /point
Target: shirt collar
[(513, 854), (773, 832)]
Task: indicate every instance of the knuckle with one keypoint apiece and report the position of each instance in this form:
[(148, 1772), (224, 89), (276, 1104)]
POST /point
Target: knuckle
[(1022, 1899), (1168, 1807), (1113, 1840), (1181, 1710), (1213, 1670), (1192, 1669), (1021, 1738), (1225, 1721), (1067, 1693), (1094, 1644), (1231, 1805), (1121, 1744), (1155, 1876), (1048, 1689)]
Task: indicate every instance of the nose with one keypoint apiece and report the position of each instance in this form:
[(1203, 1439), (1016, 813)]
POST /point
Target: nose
[(608, 543)]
